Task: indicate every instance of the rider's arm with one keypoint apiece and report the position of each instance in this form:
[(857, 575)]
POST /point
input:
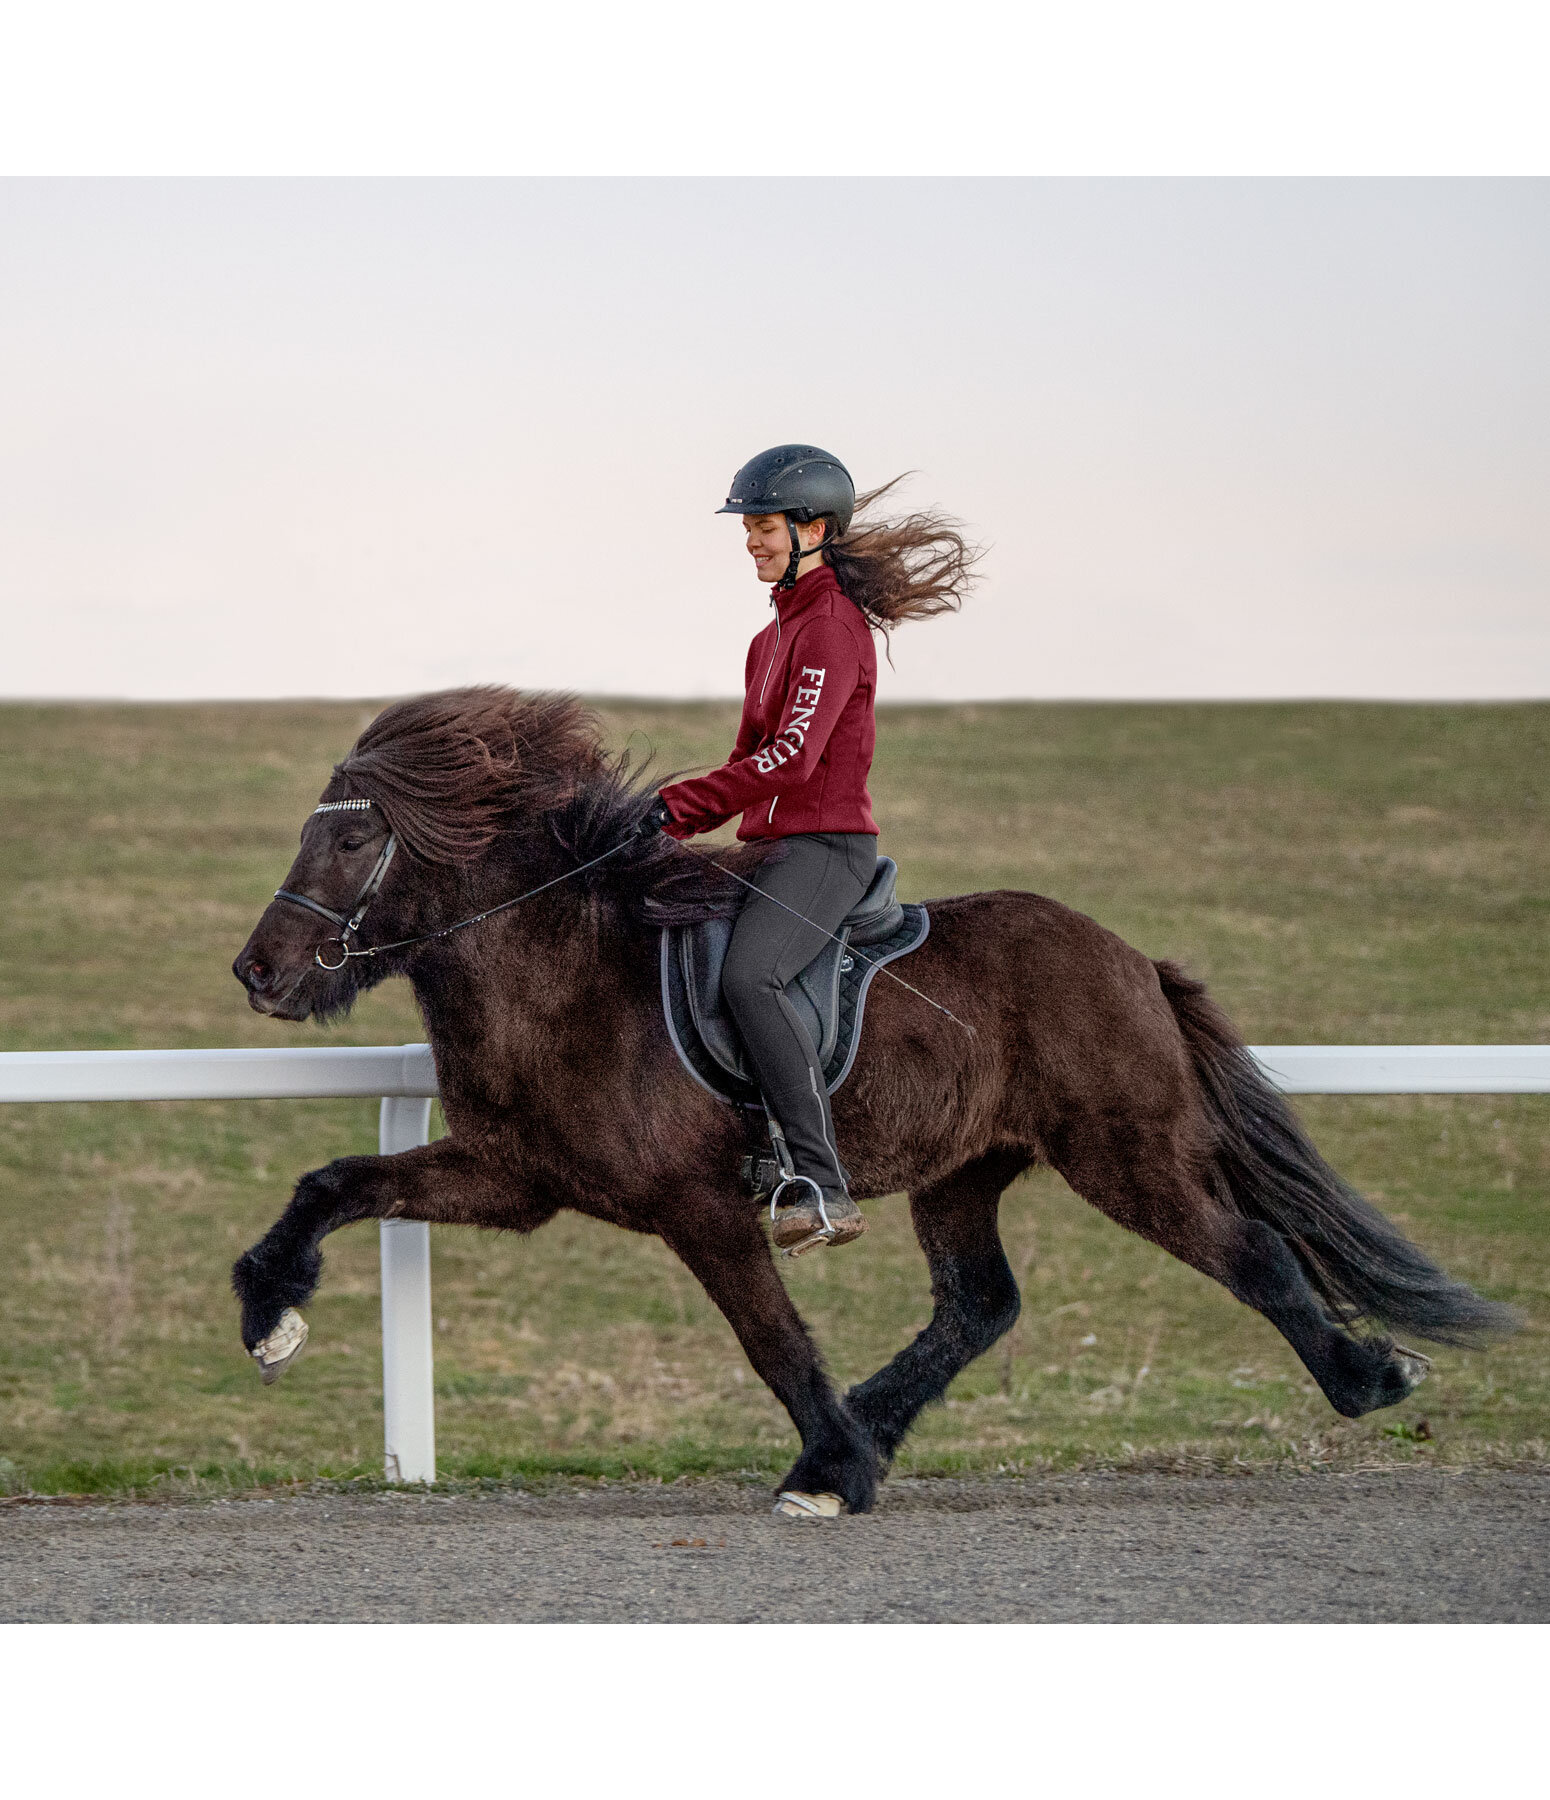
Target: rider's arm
[(678, 824), (825, 665)]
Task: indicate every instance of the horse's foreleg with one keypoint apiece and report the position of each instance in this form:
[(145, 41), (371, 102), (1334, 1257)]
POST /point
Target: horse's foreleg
[(974, 1295), (439, 1183), (727, 1253)]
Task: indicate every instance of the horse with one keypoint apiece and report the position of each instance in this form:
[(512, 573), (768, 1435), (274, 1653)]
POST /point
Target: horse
[(561, 1088)]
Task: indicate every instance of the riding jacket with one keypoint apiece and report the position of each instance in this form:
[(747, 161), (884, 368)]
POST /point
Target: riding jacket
[(805, 743)]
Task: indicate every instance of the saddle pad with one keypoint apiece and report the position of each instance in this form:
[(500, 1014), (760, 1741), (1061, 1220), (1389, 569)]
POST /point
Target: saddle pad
[(829, 996)]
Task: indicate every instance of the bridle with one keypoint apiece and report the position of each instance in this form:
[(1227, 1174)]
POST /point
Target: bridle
[(349, 923)]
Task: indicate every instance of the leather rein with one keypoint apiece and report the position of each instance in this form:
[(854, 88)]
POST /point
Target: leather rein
[(349, 922)]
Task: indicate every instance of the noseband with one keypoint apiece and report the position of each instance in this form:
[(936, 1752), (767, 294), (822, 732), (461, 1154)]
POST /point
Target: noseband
[(348, 923)]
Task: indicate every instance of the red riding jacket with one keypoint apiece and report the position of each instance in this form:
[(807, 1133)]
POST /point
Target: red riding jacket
[(805, 743)]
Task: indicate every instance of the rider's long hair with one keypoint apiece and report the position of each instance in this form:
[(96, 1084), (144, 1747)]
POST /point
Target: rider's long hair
[(896, 569)]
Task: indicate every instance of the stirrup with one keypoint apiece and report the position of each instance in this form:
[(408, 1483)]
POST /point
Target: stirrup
[(806, 1181), (823, 1233), (833, 1219)]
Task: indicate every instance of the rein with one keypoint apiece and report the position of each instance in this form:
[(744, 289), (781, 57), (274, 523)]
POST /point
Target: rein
[(349, 925)]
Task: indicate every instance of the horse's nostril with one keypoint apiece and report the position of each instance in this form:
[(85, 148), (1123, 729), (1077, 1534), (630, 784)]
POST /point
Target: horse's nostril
[(258, 974)]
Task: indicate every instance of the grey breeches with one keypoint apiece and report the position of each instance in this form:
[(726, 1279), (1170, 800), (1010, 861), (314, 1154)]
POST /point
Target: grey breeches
[(820, 875)]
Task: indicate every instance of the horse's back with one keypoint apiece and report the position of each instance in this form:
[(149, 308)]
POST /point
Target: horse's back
[(1028, 949), (1055, 998)]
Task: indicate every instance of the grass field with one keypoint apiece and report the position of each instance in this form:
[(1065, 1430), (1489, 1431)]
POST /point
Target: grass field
[(1339, 873)]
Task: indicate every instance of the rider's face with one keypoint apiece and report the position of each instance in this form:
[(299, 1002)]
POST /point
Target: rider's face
[(769, 542)]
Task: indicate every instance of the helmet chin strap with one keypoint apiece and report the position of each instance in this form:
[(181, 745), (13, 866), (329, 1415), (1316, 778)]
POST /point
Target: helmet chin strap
[(789, 579)]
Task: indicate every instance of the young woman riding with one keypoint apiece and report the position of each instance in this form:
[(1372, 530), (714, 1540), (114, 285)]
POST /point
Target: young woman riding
[(798, 773)]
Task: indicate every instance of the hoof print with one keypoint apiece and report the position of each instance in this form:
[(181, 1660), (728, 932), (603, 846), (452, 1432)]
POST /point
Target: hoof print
[(275, 1353)]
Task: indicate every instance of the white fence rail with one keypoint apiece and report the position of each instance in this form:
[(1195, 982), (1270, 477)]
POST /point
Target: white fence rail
[(398, 1071), (404, 1076)]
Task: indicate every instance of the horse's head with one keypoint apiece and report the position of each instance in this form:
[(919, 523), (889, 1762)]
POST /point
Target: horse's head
[(404, 829), (294, 965)]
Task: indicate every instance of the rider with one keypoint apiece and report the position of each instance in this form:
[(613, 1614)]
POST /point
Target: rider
[(799, 768)]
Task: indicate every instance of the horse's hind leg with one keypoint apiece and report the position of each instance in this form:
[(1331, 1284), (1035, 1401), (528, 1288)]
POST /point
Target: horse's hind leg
[(1140, 1178), (973, 1291)]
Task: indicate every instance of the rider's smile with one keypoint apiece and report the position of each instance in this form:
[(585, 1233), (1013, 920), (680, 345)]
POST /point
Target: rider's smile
[(769, 544)]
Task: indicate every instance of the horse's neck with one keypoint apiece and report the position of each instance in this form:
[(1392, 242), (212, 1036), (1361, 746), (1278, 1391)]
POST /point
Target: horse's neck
[(507, 1005)]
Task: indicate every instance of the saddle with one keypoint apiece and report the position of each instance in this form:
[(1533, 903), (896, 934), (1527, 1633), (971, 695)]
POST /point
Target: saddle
[(829, 995)]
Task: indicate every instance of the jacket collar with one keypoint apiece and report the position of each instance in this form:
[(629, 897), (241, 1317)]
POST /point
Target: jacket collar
[(816, 584)]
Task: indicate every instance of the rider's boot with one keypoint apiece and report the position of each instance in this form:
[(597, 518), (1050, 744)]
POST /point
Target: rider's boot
[(804, 1215)]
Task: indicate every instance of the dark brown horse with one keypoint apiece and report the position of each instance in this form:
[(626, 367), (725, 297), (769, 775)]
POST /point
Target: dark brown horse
[(561, 1088)]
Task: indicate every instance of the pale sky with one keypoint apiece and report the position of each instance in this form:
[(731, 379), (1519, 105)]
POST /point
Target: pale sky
[(1224, 438)]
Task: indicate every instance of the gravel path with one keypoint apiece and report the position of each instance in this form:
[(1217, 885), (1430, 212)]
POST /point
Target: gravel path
[(1410, 1546)]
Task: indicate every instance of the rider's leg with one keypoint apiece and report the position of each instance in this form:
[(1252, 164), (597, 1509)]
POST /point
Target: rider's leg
[(820, 876)]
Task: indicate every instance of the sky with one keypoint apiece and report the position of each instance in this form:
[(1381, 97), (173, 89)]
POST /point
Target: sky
[(1221, 438)]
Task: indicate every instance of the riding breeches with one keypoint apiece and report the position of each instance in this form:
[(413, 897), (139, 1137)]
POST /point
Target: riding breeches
[(821, 876)]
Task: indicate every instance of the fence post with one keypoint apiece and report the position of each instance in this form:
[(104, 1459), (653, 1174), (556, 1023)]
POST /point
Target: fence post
[(408, 1396)]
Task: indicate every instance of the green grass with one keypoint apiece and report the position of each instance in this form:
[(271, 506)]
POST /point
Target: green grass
[(1339, 873)]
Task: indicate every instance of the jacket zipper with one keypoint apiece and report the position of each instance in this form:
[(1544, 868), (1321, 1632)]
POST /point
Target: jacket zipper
[(769, 670), (774, 650)]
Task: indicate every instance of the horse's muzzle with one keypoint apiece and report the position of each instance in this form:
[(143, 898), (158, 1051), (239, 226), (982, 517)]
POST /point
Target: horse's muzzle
[(270, 991)]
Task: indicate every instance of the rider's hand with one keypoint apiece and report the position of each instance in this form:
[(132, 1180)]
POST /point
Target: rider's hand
[(656, 818)]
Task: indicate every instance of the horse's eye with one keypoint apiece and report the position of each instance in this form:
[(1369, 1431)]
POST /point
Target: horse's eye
[(351, 844)]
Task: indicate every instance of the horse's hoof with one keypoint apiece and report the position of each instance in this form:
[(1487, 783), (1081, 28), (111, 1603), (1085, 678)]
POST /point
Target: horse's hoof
[(275, 1353), (1412, 1365), (792, 1505)]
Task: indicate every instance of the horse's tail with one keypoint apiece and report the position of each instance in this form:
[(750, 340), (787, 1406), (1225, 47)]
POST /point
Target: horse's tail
[(1265, 1168)]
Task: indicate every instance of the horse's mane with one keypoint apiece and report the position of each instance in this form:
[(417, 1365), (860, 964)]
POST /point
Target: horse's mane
[(455, 771)]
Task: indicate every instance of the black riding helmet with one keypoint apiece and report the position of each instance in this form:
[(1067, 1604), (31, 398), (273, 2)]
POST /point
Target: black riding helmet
[(801, 481)]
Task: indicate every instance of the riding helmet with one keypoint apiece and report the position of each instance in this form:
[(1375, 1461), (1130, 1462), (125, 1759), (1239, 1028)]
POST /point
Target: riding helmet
[(799, 480)]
